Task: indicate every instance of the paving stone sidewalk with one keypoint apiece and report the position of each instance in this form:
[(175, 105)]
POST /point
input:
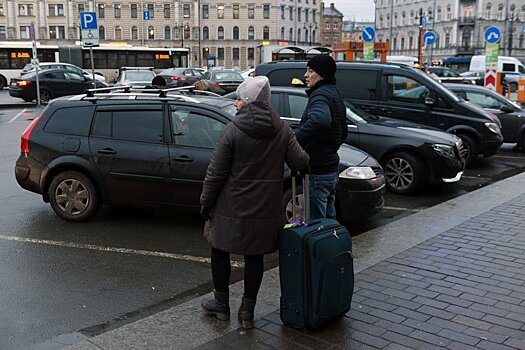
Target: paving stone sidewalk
[(462, 289)]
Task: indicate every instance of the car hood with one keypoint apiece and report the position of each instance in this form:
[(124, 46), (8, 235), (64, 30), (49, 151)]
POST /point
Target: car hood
[(351, 156), (412, 130), (480, 111)]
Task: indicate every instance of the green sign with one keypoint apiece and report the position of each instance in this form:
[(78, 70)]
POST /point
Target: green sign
[(491, 53), (368, 51)]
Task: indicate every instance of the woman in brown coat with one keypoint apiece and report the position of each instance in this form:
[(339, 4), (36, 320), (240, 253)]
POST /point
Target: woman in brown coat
[(242, 194)]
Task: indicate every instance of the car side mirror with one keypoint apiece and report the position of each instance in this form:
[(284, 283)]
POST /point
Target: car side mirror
[(506, 109), (430, 102)]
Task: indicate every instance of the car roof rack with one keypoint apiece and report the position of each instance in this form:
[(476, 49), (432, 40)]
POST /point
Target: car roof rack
[(92, 92)]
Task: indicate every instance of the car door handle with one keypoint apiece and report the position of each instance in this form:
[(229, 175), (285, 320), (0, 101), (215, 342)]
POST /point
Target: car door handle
[(107, 151), (183, 159)]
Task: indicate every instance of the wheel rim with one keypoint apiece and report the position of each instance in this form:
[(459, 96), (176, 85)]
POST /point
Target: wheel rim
[(44, 96), (399, 174), (72, 197), (466, 152), (299, 202)]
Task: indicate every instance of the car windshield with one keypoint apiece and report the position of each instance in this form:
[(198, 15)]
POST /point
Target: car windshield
[(228, 76), (172, 71), (437, 85), (140, 75)]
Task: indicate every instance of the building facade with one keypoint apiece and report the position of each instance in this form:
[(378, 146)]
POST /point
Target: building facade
[(228, 30), (353, 30), (331, 25), (459, 25)]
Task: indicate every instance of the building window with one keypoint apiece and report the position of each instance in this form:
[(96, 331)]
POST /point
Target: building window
[(102, 33), (151, 33), (299, 10), (235, 11), (205, 33), (290, 34), (410, 43), (402, 47), (404, 19), (282, 33), (266, 11), (134, 33), (2, 13), (449, 13), (395, 19), (56, 10), (220, 33), (500, 12), (2, 32), (220, 11), (488, 10), (167, 33), (282, 11), (298, 34), (205, 11), (81, 8), (186, 32), (118, 32), (57, 32), (167, 11), (117, 8), (306, 15), (151, 9), (24, 32), (522, 14), (251, 53), (251, 33), (520, 42), (394, 47), (235, 53), (291, 13), (251, 11), (220, 53), (134, 10), (266, 33), (101, 11), (186, 10), (235, 33), (447, 39), (26, 10)]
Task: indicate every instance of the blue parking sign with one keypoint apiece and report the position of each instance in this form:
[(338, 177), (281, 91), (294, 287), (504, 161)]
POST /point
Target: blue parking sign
[(88, 20)]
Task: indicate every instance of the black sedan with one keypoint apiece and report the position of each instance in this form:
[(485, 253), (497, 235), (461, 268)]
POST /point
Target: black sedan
[(177, 77), (223, 81), (410, 154), (53, 83), (511, 114)]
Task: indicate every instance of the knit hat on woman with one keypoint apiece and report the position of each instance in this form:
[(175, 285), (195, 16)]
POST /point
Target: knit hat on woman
[(254, 89), (324, 65)]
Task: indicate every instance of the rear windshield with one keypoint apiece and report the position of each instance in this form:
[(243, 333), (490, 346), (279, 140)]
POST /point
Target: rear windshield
[(228, 76), (140, 75)]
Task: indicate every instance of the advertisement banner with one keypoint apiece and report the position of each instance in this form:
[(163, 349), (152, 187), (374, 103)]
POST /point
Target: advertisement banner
[(368, 51)]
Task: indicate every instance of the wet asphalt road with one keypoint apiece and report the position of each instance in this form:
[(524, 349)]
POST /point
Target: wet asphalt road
[(58, 277)]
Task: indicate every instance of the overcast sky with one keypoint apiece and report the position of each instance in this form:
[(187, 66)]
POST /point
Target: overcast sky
[(354, 9)]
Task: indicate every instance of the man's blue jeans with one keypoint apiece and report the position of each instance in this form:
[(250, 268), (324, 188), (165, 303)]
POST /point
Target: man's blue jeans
[(322, 195)]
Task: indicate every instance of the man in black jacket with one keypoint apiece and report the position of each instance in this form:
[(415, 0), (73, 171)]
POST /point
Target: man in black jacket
[(321, 132)]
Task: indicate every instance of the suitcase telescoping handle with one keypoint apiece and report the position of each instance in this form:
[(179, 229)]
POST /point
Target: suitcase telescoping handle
[(306, 197)]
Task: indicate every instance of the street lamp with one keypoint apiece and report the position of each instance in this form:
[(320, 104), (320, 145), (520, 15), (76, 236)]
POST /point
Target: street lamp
[(511, 19), (309, 27), (420, 14), (181, 27)]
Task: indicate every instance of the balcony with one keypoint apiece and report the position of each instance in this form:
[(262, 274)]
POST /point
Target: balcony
[(466, 50), (467, 21)]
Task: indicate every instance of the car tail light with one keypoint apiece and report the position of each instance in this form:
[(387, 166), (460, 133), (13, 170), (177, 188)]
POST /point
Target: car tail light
[(177, 78), (215, 86), (23, 83), (24, 144), (254, 73)]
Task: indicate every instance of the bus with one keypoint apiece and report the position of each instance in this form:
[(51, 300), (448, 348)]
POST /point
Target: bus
[(108, 58)]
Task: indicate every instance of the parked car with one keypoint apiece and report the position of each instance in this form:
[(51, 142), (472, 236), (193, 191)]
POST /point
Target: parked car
[(412, 155), (447, 75), (177, 77), (137, 77), (478, 77), (53, 83), (511, 114), (28, 68), (398, 91), (223, 81), (143, 149), (247, 74)]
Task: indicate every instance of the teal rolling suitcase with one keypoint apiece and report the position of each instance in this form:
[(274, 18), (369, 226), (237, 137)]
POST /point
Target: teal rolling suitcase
[(316, 270)]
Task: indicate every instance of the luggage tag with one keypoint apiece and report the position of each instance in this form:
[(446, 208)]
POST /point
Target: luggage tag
[(297, 223)]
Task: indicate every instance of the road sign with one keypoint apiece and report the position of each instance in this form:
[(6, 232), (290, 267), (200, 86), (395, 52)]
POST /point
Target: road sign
[(89, 26), (492, 34), (146, 15), (429, 37), (369, 34)]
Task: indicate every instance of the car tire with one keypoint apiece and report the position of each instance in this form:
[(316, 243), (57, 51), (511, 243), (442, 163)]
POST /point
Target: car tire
[(3, 82), (27, 99), (513, 87), (73, 196), (521, 142), (404, 172), (471, 147), (45, 95), (287, 203)]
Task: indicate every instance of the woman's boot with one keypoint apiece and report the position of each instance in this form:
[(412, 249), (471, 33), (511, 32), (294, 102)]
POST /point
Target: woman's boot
[(219, 306), (246, 313)]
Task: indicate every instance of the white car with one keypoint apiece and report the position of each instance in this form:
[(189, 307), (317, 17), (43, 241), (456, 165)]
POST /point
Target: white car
[(60, 65), (248, 74)]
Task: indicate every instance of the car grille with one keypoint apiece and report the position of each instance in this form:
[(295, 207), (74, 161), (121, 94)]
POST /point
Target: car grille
[(461, 149)]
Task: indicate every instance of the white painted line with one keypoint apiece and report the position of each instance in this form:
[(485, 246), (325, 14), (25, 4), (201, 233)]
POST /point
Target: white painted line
[(197, 259), (404, 209), (18, 115)]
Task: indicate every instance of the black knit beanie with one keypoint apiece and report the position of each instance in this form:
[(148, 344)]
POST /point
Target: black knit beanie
[(324, 65)]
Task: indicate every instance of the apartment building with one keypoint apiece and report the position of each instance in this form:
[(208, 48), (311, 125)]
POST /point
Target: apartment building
[(229, 31), (459, 25), (353, 30), (331, 25)]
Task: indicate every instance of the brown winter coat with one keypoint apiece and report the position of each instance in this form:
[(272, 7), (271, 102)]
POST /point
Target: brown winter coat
[(244, 181)]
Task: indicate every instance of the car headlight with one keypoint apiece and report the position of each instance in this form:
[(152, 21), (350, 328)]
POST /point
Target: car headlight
[(444, 150), (358, 172), (493, 127)]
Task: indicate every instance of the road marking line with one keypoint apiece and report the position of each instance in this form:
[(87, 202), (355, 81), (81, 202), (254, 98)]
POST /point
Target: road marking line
[(18, 115), (404, 209), (198, 259)]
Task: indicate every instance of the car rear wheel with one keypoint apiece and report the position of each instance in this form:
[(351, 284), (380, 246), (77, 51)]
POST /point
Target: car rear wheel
[(73, 196), (299, 201), (404, 172), (3, 82), (45, 95), (521, 143), (471, 148), (513, 87)]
